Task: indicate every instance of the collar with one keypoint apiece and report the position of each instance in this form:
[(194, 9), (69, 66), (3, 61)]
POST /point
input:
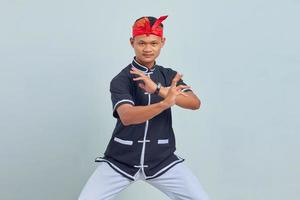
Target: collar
[(142, 68)]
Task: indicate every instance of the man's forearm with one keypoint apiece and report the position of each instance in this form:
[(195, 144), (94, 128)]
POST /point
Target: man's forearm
[(140, 114), (191, 101)]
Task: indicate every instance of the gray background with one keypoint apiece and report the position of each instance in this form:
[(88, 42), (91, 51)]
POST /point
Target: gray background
[(241, 57)]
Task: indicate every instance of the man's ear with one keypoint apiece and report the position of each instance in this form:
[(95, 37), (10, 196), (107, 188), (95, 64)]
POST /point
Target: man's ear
[(163, 41), (131, 40)]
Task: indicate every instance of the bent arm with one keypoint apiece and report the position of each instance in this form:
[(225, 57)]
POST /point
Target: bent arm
[(130, 114), (138, 114)]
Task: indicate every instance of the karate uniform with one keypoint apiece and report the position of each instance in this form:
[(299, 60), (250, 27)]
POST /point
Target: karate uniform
[(142, 151)]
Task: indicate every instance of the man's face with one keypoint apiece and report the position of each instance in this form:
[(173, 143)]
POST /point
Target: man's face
[(147, 48)]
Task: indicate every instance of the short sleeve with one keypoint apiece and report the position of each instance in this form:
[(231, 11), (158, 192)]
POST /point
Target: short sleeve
[(170, 75), (121, 92)]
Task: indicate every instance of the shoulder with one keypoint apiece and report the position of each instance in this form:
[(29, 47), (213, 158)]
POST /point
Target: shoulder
[(125, 72), (167, 71), (123, 76)]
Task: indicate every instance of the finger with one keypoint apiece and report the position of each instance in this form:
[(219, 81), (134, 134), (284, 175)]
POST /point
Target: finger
[(138, 78), (136, 71), (183, 87), (177, 77), (180, 88), (141, 85), (183, 94), (175, 80)]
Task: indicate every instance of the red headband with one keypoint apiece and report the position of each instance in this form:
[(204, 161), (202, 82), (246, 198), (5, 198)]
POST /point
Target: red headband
[(143, 26)]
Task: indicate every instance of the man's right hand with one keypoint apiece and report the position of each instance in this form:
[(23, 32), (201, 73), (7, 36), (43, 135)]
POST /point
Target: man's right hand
[(147, 84)]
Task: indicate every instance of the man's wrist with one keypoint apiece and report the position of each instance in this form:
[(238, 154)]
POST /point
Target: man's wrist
[(163, 91), (164, 105), (158, 87)]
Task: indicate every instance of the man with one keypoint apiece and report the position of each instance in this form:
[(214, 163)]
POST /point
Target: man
[(143, 143)]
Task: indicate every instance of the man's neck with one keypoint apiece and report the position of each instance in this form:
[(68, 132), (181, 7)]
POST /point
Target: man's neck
[(148, 65)]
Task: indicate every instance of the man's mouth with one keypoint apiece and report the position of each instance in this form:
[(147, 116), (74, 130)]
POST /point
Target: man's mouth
[(148, 55)]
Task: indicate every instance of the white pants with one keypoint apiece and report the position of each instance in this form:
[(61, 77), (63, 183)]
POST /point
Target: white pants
[(178, 183)]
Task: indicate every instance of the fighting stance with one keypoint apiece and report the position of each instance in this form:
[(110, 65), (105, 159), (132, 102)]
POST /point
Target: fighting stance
[(143, 143)]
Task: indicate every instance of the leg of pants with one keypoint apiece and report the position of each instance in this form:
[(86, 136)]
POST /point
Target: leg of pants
[(179, 183), (104, 184)]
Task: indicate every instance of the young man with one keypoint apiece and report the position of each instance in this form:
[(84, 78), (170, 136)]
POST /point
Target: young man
[(143, 143)]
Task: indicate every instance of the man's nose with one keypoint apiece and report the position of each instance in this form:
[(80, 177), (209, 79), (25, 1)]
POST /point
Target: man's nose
[(147, 48)]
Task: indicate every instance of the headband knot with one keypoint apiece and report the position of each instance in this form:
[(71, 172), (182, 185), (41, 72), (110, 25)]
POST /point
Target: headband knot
[(143, 26)]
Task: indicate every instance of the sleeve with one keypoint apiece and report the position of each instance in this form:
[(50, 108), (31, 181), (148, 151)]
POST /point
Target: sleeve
[(121, 93), (170, 75)]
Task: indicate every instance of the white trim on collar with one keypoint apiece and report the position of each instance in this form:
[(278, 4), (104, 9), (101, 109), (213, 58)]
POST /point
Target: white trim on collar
[(142, 67)]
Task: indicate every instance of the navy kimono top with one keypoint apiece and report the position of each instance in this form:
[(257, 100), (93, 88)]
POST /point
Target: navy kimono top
[(147, 146)]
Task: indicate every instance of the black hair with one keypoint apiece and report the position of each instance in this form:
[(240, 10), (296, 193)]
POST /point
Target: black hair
[(151, 19)]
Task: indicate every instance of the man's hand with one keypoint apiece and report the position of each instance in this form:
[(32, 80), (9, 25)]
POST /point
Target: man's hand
[(148, 85), (174, 91)]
